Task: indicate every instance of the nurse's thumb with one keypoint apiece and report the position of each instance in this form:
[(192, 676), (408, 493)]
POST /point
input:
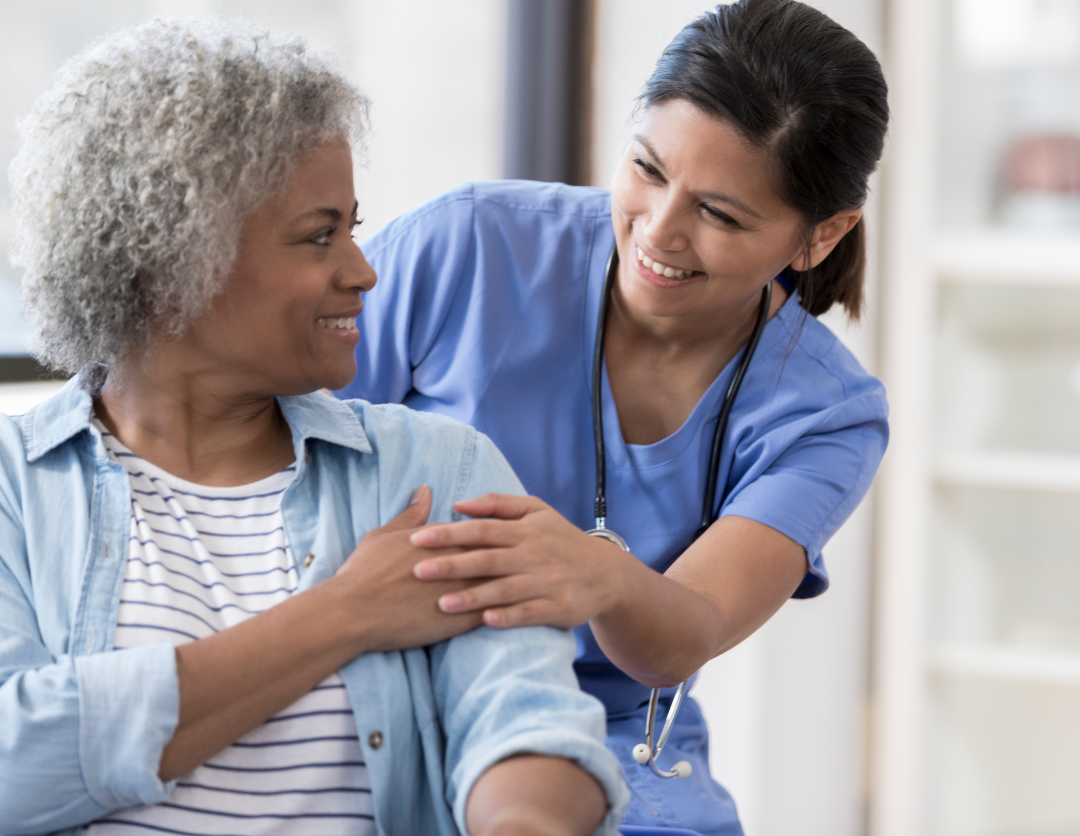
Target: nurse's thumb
[(415, 513)]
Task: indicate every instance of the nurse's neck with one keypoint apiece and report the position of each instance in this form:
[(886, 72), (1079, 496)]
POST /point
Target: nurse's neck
[(659, 366)]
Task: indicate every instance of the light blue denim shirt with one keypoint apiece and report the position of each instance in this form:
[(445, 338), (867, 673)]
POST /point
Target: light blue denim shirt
[(83, 726)]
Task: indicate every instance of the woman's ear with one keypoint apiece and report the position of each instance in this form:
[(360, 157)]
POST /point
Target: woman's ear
[(827, 235)]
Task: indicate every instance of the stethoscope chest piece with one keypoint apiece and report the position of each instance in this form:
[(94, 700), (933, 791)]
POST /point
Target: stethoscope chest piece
[(609, 535)]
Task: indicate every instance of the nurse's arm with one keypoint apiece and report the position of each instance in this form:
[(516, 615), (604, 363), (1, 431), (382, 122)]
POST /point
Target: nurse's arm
[(724, 587), (658, 628)]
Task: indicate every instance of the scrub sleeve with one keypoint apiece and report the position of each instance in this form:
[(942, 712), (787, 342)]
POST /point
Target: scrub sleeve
[(485, 310)]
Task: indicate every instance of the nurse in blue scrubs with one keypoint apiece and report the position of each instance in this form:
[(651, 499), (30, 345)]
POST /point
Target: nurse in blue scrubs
[(748, 167)]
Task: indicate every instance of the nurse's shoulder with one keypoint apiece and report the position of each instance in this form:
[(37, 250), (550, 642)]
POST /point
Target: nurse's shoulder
[(824, 364)]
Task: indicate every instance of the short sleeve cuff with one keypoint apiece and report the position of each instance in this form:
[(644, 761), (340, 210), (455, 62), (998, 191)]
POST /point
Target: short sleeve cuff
[(583, 749), (129, 706)]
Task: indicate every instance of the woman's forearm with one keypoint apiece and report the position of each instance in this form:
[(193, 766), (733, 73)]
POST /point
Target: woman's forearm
[(533, 795), (235, 680)]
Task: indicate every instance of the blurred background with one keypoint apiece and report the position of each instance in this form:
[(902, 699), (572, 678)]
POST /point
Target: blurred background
[(935, 689)]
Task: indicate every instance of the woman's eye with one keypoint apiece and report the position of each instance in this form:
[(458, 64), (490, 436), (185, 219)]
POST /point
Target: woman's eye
[(322, 238), (723, 217), (647, 169)]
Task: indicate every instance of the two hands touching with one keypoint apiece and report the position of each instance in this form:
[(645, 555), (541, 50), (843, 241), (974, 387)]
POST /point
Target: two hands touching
[(426, 577)]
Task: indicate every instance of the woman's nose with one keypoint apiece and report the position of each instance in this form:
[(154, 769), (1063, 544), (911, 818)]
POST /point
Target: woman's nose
[(357, 273)]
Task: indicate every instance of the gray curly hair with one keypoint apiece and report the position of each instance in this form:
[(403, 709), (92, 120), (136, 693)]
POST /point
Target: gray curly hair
[(138, 167)]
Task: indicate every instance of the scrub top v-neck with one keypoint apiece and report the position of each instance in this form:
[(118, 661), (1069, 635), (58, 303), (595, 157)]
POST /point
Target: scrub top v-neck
[(486, 309)]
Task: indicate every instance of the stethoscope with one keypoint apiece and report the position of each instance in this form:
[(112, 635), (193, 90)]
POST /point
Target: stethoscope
[(646, 752)]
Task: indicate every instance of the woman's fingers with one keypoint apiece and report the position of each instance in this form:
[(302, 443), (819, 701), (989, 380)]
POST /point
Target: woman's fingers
[(504, 506), (415, 513)]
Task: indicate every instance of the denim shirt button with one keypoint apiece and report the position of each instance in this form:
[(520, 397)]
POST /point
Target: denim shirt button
[(375, 739), (309, 559)]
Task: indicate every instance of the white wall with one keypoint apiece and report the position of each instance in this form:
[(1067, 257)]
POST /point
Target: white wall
[(435, 74), (433, 71), (788, 708)]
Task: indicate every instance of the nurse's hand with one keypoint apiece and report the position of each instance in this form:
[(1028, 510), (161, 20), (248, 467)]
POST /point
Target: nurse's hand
[(541, 569)]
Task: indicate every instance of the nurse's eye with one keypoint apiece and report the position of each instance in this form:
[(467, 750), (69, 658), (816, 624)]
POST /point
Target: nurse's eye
[(722, 217), (648, 170), (354, 226)]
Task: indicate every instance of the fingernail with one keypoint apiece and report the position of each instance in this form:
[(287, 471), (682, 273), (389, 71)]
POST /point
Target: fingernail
[(492, 618), (450, 603), (423, 537), (419, 492), (426, 570)]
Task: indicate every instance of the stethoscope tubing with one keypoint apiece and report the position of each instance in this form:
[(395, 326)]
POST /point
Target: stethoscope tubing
[(648, 752)]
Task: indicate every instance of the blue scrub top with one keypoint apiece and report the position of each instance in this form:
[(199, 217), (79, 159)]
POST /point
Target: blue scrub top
[(486, 310)]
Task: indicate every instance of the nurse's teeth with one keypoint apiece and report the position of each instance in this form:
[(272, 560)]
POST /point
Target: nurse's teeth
[(660, 269)]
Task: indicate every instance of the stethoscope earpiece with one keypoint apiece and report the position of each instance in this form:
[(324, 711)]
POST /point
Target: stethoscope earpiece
[(645, 753)]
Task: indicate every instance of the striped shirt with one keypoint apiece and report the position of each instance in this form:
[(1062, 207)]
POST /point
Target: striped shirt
[(202, 559)]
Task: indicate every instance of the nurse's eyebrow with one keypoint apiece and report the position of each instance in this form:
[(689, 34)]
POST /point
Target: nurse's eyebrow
[(709, 196)]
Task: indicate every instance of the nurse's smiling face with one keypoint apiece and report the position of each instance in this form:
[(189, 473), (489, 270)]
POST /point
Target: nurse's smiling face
[(699, 223)]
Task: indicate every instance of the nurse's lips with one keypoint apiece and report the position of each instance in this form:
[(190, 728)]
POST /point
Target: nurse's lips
[(659, 273)]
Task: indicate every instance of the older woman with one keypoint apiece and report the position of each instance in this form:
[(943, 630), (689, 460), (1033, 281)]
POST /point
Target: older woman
[(206, 598)]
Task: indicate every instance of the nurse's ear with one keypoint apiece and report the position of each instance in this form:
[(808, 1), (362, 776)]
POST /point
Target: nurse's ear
[(826, 235)]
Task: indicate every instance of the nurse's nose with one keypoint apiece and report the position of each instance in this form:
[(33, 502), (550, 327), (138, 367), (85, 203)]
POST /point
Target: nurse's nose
[(664, 227)]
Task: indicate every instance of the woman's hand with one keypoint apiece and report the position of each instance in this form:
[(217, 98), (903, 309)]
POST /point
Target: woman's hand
[(540, 569), (377, 582), (229, 684)]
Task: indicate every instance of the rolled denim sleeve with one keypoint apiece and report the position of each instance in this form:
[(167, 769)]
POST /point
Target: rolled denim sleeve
[(79, 736), (507, 692), (503, 693)]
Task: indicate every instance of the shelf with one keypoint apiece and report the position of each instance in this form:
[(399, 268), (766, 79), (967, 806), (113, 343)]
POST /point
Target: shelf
[(1010, 470), (1006, 256), (1012, 664)]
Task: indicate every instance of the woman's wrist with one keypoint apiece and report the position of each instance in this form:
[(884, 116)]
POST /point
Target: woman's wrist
[(340, 607)]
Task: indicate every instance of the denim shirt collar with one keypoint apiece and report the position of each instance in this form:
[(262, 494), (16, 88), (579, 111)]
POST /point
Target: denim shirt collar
[(60, 418)]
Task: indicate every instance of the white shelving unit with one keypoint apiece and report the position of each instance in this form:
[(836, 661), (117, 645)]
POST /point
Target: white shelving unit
[(977, 633)]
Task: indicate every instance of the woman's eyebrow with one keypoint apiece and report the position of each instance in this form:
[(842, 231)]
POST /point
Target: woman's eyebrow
[(329, 212)]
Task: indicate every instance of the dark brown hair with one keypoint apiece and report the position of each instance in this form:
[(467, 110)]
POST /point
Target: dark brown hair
[(800, 86)]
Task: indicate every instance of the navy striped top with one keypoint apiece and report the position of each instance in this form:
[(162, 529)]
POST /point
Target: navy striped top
[(202, 559)]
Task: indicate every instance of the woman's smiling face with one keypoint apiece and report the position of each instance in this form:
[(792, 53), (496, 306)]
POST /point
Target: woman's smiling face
[(699, 225), (286, 322)]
